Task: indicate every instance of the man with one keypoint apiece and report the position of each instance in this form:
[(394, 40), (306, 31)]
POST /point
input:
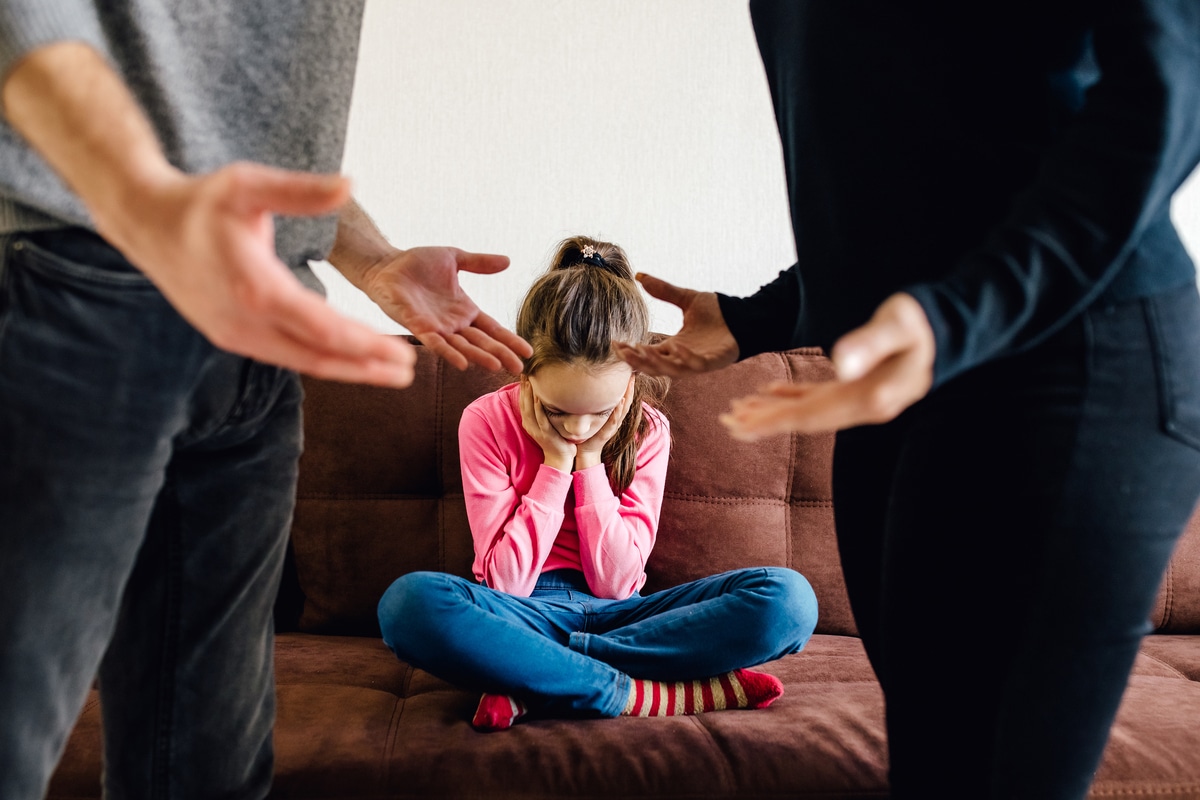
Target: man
[(167, 175)]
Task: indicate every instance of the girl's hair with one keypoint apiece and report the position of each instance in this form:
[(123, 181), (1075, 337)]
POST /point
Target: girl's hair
[(572, 314)]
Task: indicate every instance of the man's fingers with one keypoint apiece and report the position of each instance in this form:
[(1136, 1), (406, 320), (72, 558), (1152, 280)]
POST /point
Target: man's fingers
[(503, 335), (473, 353), (377, 373), (256, 188), (438, 345), (505, 345), (474, 345), (305, 334), (309, 320), (499, 354), (667, 292), (274, 345), (457, 350), (481, 263)]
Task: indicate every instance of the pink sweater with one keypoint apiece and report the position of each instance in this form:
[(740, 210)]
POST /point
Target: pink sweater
[(527, 518)]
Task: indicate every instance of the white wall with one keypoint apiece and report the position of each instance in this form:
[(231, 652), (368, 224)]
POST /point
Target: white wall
[(507, 125)]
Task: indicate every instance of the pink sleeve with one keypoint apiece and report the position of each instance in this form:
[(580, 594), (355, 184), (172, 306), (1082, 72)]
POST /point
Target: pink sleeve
[(513, 534), (616, 535)]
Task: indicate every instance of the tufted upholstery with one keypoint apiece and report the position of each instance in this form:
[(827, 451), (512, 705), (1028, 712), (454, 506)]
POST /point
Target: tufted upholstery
[(380, 494)]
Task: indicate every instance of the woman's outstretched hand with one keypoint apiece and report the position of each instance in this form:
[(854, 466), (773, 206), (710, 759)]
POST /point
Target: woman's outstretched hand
[(557, 451), (882, 369), (703, 344)]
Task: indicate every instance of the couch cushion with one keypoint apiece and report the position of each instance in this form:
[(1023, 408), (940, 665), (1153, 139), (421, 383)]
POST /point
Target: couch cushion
[(355, 722), (1178, 606), (380, 494), (404, 733)]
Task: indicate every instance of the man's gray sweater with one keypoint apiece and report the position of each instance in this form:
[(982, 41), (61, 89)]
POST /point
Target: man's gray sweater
[(265, 81)]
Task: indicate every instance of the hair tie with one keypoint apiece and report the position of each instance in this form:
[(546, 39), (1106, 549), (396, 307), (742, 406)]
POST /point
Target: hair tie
[(590, 256)]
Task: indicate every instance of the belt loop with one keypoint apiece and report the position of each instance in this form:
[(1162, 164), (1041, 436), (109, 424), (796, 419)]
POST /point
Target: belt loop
[(6, 242)]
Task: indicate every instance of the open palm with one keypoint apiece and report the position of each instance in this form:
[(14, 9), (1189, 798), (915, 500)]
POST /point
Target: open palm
[(419, 288)]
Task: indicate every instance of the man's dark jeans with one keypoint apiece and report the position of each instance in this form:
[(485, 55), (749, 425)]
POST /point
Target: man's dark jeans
[(147, 482)]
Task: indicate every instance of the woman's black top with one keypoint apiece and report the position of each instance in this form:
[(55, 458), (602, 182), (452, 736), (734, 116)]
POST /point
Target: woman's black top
[(1008, 163)]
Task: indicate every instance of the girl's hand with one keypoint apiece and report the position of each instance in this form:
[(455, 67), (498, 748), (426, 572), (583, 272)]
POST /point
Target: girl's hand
[(588, 454), (557, 452)]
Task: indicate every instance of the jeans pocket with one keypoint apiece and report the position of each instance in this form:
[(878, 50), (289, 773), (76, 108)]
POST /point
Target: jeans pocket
[(79, 258), (1174, 322)]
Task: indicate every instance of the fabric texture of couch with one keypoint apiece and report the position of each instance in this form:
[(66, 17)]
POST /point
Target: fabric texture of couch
[(380, 494)]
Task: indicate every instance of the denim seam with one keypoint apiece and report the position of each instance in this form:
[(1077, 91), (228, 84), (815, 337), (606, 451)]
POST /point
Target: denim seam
[(55, 267), (1162, 373), (255, 401), (1086, 399), (621, 694), (164, 717), (6, 248)]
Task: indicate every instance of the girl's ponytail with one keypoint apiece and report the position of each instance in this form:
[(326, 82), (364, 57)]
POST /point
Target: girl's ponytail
[(580, 251), (587, 300)]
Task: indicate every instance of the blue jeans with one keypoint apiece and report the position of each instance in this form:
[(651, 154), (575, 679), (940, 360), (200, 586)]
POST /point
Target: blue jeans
[(147, 482), (1003, 544), (567, 653)]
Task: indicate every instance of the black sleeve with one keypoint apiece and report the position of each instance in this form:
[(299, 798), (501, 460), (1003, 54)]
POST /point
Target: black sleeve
[(1102, 191), (768, 320)]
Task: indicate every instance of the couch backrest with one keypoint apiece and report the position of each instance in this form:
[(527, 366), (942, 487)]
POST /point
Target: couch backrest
[(380, 494)]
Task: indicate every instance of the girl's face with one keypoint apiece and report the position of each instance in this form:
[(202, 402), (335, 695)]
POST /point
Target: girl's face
[(578, 398)]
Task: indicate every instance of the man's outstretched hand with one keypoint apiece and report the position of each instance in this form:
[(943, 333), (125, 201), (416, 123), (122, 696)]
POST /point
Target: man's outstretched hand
[(208, 244), (206, 241), (702, 344), (882, 369), (419, 288)]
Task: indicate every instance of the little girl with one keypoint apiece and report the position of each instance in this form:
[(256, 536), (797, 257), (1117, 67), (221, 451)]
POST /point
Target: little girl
[(563, 478)]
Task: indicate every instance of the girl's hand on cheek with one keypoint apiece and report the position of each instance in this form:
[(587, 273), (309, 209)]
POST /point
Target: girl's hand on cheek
[(591, 450), (557, 452)]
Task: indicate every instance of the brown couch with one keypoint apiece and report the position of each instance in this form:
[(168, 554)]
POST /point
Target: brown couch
[(380, 494)]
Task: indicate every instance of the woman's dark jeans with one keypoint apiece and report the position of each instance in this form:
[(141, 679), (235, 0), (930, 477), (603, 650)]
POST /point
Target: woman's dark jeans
[(1003, 544), (146, 489)]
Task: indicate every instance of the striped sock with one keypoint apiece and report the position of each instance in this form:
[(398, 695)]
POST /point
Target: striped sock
[(738, 689), (497, 712)]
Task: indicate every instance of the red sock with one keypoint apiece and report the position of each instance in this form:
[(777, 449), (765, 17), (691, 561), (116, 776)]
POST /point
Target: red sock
[(738, 689), (497, 712)]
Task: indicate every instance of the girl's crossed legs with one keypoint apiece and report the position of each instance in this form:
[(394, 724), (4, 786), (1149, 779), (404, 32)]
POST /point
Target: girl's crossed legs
[(567, 653)]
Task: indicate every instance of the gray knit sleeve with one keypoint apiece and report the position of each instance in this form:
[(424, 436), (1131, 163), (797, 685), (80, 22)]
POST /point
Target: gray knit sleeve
[(26, 25)]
